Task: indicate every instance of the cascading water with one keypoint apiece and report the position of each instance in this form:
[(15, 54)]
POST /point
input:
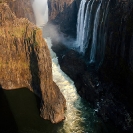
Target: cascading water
[(102, 32), (40, 9), (95, 31), (87, 23), (91, 16), (83, 25)]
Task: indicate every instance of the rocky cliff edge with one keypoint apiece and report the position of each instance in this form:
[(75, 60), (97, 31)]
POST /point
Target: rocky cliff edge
[(25, 62)]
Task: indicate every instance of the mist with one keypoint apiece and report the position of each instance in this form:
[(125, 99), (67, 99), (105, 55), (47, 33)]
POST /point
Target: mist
[(40, 9)]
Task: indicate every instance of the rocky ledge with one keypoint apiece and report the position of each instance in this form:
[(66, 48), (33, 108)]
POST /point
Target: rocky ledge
[(25, 62)]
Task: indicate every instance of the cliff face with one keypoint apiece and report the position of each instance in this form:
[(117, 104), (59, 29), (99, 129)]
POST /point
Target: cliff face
[(64, 14), (117, 67), (22, 8), (25, 62), (120, 33), (118, 62)]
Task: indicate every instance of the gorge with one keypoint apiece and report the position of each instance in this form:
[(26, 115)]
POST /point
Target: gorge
[(93, 47), (102, 72)]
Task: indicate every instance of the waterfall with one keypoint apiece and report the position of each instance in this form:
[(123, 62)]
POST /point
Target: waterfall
[(80, 24), (87, 31), (83, 24), (85, 27), (91, 29), (94, 40), (40, 8)]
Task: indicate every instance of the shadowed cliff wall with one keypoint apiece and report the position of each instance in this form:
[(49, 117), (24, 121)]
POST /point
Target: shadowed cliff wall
[(64, 14)]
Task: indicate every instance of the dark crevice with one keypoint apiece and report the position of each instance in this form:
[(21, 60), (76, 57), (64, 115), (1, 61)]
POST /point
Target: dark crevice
[(7, 121)]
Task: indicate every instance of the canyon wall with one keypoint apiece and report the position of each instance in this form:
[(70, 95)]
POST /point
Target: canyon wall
[(110, 88), (118, 61), (64, 14), (117, 67), (25, 61), (120, 34)]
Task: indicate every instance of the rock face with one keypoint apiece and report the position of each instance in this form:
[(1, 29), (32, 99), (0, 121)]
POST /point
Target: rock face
[(22, 8), (117, 67), (105, 97), (25, 62), (64, 14), (120, 37)]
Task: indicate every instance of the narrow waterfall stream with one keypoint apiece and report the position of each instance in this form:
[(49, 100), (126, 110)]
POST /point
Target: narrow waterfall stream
[(80, 25), (91, 29), (94, 40)]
